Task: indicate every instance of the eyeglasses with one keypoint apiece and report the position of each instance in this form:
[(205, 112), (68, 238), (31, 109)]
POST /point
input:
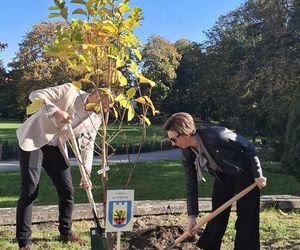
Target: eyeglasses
[(173, 139)]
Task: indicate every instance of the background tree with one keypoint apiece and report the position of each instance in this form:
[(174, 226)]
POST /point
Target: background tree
[(187, 86), (7, 94), (249, 60), (160, 61), (32, 69), (2, 46)]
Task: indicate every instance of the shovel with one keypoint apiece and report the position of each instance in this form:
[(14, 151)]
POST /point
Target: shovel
[(97, 234), (211, 216)]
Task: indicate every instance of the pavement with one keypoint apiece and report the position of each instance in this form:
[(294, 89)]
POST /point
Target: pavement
[(174, 154)]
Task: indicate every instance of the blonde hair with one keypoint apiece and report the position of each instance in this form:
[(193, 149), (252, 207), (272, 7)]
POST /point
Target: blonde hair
[(182, 123)]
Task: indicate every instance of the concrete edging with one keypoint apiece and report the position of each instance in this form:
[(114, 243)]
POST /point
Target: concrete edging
[(141, 208)]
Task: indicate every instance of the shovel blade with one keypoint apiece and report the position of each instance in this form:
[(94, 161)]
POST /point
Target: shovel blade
[(98, 241), (170, 246)]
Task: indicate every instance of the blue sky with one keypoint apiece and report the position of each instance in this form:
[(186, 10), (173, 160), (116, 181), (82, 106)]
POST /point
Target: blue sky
[(172, 19)]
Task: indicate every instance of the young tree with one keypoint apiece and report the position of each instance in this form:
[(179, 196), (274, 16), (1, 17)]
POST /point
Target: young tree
[(100, 45)]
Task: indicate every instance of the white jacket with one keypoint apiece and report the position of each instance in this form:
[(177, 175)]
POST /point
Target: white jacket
[(40, 128)]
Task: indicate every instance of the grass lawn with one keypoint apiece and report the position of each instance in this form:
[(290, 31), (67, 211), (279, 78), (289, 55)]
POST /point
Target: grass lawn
[(159, 180), (128, 134), (277, 230), (8, 131)]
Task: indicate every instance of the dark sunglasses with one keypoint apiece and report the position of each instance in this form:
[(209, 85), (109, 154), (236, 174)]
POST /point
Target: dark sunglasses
[(173, 139)]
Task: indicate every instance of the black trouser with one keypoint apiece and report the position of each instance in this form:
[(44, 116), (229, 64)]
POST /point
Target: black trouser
[(247, 224), (56, 167)]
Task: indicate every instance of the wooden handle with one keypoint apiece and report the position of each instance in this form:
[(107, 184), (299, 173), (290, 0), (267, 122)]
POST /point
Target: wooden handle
[(84, 176), (215, 213)]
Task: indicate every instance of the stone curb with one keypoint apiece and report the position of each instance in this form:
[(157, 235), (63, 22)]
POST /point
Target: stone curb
[(141, 208)]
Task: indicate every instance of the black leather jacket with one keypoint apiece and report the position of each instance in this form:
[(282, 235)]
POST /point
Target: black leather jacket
[(232, 153)]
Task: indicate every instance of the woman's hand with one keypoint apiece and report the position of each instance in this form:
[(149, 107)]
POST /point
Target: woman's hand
[(261, 182), (190, 224), (86, 184), (62, 116)]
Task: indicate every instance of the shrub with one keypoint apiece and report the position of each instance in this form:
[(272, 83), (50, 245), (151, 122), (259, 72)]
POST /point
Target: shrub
[(9, 150)]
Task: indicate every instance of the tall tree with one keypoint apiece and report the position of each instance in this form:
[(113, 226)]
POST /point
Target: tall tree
[(160, 61), (32, 69), (187, 92), (7, 94), (249, 54)]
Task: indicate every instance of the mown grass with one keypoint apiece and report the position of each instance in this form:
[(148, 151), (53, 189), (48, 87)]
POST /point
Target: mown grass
[(159, 180), (278, 231), (128, 133), (8, 131)]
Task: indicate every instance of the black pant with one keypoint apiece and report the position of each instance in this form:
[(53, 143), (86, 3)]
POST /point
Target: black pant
[(56, 167), (247, 224)]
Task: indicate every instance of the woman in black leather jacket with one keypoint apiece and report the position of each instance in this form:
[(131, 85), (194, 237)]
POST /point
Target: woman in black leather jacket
[(231, 158)]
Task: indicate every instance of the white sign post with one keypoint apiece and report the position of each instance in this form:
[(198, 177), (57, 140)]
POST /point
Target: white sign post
[(119, 212)]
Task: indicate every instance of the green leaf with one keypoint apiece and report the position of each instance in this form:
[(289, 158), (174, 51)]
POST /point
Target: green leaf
[(77, 85), (51, 15), (131, 113), (143, 79), (56, 63), (122, 79), (125, 103), (53, 8), (77, 37), (90, 105), (64, 13), (82, 58), (115, 112), (133, 68), (123, 7), (138, 54), (78, 1), (141, 100), (80, 12), (107, 11), (154, 111), (71, 64), (34, 106), (131, 92), (110, 27), (120, 97), (146, 119), (89, 4), (60, 3), (119, 62), (89, 46)]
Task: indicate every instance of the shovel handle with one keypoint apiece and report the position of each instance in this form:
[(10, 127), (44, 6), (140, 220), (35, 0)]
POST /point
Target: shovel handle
[(84, 176), (213, 215)]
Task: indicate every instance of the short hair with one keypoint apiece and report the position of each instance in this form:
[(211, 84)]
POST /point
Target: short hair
[(182, 123)]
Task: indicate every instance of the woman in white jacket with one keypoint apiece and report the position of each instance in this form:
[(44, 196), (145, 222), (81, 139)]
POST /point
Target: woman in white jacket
[(42, 140)]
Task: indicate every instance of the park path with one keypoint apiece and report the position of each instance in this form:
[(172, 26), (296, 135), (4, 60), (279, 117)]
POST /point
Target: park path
[(174, 154)]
